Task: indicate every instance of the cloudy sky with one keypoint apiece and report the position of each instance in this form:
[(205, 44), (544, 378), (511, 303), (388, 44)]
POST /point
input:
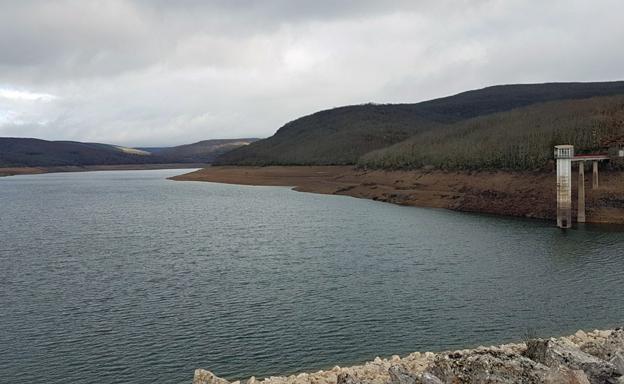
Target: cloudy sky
[(142, 72)]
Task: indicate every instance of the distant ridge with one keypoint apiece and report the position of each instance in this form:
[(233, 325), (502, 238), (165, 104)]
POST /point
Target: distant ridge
[(201, 152), (29, 152), (343, 135)]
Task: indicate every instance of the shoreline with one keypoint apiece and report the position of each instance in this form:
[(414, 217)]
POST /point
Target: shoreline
[(585, 357), (17, 171), (517, 194)]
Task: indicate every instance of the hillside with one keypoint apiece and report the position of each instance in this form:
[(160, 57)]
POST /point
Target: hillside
[(20, 152), (520, 139), (201, 152), (27, 152), (342, 135)]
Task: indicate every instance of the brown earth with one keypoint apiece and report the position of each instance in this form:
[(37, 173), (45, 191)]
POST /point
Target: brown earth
[(20, 171), (13, 171), (522, 194)]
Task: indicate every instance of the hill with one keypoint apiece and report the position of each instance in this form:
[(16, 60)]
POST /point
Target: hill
[(27, 152), (343, 135), (201, 152), (520, 139)]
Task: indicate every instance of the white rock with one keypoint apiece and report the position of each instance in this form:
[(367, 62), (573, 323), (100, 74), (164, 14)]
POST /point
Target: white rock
[(606, 333), (206, 377), (581, 335)]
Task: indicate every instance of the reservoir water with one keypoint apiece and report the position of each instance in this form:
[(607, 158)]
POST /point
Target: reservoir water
[(126, 277)]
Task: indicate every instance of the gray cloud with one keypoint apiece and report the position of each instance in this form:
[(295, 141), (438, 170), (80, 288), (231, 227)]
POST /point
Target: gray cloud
[(162, 72)]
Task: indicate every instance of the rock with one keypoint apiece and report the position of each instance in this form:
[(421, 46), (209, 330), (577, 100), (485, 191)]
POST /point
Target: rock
[(606, 346), (578, 377), (618, 362), (594, 348), (614, 343), (252, 380), (428, 378), (400, 375), (562, 375), (501, 367), (206, 377), (487, 367), (581, 335), (554, 353), (346, 378), (605, 333)]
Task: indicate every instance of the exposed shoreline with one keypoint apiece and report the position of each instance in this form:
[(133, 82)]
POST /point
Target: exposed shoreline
[(518, 194), (15, 171), (585, 357)]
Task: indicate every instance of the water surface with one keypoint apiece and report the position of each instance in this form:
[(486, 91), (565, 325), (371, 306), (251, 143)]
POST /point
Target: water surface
[(126, 277)]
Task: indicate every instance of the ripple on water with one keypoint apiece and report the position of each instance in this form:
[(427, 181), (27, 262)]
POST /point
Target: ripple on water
[(116, 277)]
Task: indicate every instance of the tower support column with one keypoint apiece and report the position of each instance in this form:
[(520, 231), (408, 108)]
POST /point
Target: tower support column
[(564, 155), (595, 176), (580, 217)]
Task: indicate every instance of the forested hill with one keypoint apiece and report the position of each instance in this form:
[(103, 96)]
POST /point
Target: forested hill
[(28, 152), (520, 139), (343, 135)]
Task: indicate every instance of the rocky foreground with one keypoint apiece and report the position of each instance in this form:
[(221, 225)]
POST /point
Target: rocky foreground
[(594, 357)]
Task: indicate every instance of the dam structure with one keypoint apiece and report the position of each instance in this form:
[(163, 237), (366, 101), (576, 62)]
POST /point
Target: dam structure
[(564, 154)]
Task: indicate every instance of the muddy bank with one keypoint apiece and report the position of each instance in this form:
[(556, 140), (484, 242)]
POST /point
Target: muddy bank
[(521, 194), (593, 357), (14, 171)]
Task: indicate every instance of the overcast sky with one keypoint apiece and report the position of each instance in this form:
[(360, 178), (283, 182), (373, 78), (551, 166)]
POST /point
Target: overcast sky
[(146, 73)]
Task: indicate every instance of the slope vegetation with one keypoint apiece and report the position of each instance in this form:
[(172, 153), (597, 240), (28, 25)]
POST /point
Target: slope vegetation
[(520, 139), (342, 135)]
